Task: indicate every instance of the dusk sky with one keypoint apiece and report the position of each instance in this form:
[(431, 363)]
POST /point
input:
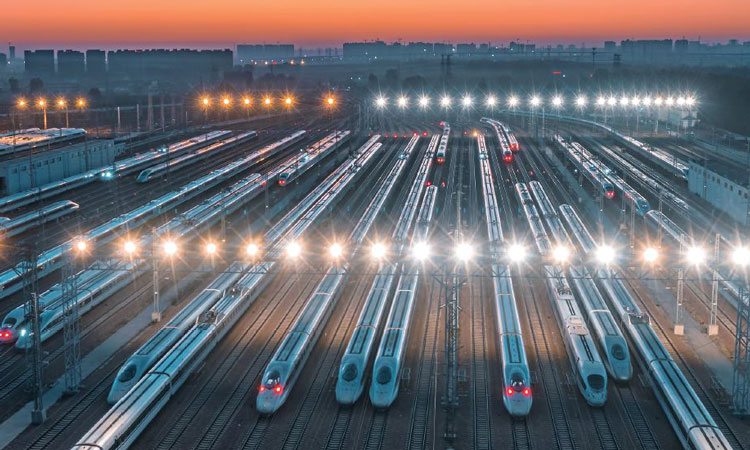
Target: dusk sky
[(331, 22)]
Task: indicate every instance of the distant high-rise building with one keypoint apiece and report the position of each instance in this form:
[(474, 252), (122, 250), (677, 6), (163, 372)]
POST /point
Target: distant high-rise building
[(39, 62), (12, 52), (3, 61), (96, 62), (610, 46), (163, 64), (681, 46), (466, 48), (247, 53), (70, 62)]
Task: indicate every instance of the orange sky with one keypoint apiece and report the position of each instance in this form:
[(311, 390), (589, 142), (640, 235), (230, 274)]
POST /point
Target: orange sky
[(335, 21)]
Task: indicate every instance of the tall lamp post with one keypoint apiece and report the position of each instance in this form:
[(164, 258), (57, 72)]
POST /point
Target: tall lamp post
[(43, 106)]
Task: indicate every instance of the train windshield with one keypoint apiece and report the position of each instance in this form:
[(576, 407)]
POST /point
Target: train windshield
[(596, 382), (516, 382), (274, 377), (350, 372), (9, 322), (127, 374), (618, 352), (384, 375)]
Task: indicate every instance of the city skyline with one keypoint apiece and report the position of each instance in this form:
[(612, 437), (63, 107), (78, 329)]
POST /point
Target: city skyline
[(332, 22)]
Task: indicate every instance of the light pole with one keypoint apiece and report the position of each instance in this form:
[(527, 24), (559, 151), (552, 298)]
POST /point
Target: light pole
[(62, 104), (43, 105)]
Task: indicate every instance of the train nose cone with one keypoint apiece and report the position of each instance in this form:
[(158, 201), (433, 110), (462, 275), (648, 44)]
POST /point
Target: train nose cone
[(267, 403), (383, 390), (349, 385)]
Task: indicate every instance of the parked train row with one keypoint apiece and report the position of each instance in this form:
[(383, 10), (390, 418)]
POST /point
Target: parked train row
[(508, 142), (669, 162), (688, 416), (610, 337), (442, 149), (517, 394), (352, 370), (164, 339), (122, 424), (126, 166), (589, 370), (17, 225), (50, 260), (311, 155), (192, 157), (602, 177), (290, 357)]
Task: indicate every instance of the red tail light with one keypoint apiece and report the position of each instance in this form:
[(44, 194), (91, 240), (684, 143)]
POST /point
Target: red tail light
[(428, 183), (395, 135), (282, 182), (262, 389), (442, 183), (610, 194), (424, 133), (278, 389), (440, 160), (526, 392), (509, 391)]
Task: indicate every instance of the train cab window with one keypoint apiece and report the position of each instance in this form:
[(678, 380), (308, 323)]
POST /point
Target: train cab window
[(618, 352), (9, 322), (273, 378), (127, 374), (384, 375), (596, 382), (516, 382), (350, 372)]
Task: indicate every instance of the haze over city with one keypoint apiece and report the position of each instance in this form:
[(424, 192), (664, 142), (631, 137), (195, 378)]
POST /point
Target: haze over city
[(331, 22), (374, 225)]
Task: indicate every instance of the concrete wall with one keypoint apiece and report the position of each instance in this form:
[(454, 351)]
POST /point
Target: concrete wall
[(25, 173), (723, 193)]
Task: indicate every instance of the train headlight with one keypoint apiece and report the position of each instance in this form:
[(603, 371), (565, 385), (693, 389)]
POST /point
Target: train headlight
[(741, 256), (605, 254)]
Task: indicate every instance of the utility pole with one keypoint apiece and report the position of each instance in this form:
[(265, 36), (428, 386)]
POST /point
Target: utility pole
[(71, 324), (713, 326), (741, 378), (679, 328), (452, 284), (34, 352)]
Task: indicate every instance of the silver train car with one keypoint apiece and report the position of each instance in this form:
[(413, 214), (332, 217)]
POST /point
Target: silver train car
[(122, 424), (388, 362), (310, 156), (591, 375), (688, 416), (153, 349), (198, 155), (517, 394), (442, 149), (352, 370), (594, 171), (17, 225), (49, 261), (670, 163), (608, 334)]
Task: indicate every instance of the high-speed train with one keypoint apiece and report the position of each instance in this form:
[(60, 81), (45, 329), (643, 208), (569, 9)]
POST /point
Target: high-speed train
[(17, 225), (687, 414), (594, 171), (389, 359), (146, 356), (507, 155), (608, 334), (443, 145), (352, 371), (517, 394), (311, 155), (591, 375)]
